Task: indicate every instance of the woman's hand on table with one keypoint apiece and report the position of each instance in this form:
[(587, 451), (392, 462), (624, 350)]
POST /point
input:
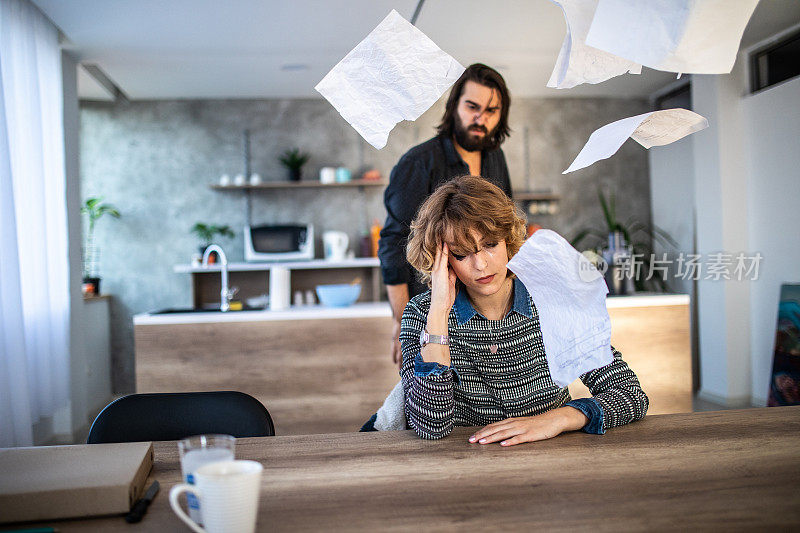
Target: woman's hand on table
[(521, 429)]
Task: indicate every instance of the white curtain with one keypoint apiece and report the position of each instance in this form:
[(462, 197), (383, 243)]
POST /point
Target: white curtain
[(34, 287)]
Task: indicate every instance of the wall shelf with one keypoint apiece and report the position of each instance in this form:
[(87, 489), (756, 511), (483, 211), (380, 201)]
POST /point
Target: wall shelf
[(299, 185), (537, 203), (536, 197)]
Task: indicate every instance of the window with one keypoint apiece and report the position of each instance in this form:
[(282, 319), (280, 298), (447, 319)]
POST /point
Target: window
[(775, 63)]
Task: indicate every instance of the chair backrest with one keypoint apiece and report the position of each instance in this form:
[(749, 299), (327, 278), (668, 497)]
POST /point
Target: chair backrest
[(177, 415)]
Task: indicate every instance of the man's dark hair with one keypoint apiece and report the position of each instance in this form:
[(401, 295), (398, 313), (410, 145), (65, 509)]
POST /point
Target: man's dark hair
[(489, 77)]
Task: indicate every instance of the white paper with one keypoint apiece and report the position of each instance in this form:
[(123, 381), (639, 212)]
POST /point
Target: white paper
[(578, 63), (689, 36), (667, 126), (656, 128), (396, 73), (570, 296)]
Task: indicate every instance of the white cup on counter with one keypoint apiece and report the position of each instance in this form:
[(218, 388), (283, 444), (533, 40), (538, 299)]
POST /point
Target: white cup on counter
[(239, 180), (327, 175), (224, 180), (279, 290)]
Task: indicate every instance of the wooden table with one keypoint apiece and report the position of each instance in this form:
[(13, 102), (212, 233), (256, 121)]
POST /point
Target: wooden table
[(727, 470)]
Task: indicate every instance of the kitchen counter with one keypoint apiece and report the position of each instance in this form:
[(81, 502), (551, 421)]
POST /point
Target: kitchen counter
[(321, 370), (300, 312), (364, 310)]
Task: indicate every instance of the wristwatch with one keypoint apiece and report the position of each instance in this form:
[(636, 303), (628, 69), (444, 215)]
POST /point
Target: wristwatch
[(426, 338)]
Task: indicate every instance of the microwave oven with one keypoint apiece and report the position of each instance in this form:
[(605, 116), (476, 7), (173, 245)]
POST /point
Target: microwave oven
[(287, 242)]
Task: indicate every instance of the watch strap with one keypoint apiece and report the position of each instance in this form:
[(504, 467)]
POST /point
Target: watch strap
[(427, 338)]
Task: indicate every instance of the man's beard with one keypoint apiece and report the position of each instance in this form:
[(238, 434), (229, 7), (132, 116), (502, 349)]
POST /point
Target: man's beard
[(469, 143)]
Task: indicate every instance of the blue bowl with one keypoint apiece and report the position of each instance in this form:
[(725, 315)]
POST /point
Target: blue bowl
[(340, 295)]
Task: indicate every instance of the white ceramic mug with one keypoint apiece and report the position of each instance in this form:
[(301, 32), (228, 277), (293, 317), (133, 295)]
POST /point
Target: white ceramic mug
[(335, 244), (327, 175), (228, 493)]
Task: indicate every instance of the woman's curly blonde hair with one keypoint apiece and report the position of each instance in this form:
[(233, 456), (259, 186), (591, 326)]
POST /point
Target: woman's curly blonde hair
[(455, 209)]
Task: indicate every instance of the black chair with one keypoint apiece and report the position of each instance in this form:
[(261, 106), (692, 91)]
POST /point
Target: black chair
[(174, 416)]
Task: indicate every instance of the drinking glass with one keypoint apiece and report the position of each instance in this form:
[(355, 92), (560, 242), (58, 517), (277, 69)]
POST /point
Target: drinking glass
[(197, 451)]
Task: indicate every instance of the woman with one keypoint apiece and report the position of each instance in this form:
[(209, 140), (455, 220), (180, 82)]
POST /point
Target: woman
[(472, 346)]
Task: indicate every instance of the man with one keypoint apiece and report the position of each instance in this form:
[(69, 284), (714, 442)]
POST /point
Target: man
[(474, 125)]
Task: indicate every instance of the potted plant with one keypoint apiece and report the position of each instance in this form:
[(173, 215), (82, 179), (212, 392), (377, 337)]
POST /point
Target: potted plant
[(632, 234), (94, 208), (294, 160), (206, 233)]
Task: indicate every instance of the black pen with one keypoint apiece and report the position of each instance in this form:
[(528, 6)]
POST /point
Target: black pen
[(141, 505)]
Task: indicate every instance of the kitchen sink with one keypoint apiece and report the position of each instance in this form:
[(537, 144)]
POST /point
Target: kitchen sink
[(176, 310)]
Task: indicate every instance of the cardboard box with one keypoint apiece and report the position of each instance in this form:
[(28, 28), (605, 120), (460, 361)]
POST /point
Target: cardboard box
[(49, 482)]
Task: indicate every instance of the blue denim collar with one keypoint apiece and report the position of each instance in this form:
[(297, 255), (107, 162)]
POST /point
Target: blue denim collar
[(465, 311)]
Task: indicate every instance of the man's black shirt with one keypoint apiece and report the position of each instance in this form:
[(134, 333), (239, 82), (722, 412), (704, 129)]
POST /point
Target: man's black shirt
[(418, 173)]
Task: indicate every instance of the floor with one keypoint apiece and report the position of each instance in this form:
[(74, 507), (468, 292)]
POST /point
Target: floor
[(700, 404)]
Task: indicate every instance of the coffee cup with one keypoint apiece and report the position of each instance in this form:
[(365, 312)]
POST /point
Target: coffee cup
[(327, 175), (228, 492), (342, 175)]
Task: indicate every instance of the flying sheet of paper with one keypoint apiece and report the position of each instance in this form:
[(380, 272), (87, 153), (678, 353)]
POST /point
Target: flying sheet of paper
[(570, 296), (656, 128), (396, 73), (689, 36), (578, 63)]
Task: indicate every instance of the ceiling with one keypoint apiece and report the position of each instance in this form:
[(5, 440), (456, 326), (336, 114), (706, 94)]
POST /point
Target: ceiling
[(165, 49)]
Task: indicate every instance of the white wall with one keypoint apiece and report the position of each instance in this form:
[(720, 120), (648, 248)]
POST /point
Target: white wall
[(672, 198), (772, 149), (90, 375), (721, 215), (741, 177)]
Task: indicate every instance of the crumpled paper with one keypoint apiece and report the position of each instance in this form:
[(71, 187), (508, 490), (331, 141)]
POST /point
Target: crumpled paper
[(685, 36), (570, 296), (396, 73), (578, 63), (656, 128)]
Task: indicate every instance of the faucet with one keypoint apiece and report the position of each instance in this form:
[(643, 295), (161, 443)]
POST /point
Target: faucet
[(225, 293)]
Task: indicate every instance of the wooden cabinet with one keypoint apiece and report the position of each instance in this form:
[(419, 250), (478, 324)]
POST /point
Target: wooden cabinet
[(327, 375), (655, 341)]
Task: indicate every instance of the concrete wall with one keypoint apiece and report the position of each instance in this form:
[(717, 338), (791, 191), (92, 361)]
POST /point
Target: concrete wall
[(155, 161), (773, 222)]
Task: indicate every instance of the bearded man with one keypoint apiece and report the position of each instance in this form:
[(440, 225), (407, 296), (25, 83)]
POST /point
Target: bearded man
[(474, 125)]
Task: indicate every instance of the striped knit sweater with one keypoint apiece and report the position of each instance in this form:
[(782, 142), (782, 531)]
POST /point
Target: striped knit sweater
[(481, 387)]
